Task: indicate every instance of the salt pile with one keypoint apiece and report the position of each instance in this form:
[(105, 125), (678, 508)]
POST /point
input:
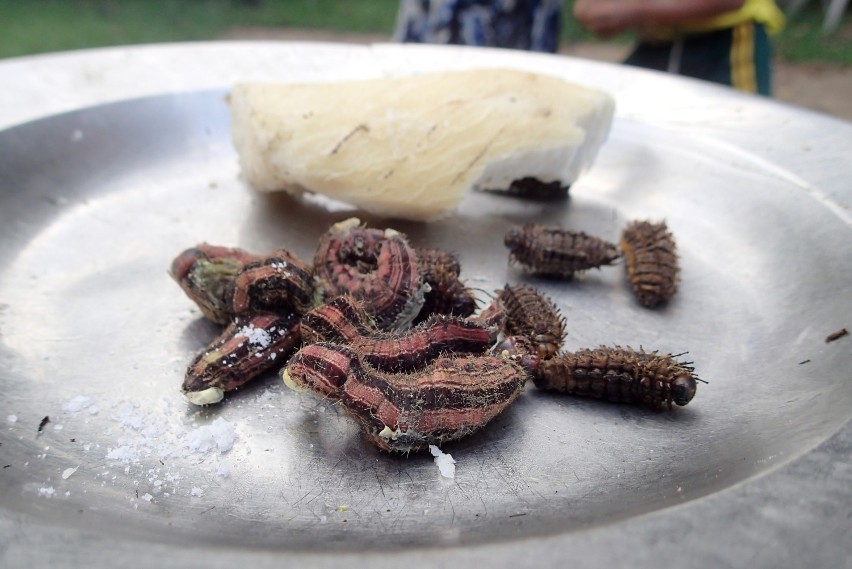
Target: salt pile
[(445, 462)]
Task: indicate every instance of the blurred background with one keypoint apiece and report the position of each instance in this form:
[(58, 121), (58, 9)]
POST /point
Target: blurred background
[(813, 55)]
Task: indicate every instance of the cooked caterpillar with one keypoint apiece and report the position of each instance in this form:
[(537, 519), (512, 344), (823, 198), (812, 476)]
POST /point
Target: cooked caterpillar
[(446, 294), (344, 321), (552, 251), (531, 314), (620, 375), (250, 345), (206, 274), (278, 282), (651, 260), (377, 267), (450, 399)]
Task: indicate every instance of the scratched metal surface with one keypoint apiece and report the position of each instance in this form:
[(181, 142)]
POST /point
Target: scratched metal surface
[(95, 203)]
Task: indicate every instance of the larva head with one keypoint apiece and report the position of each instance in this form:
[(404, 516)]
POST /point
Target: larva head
[(514, 238), (683, 389), (322, 368)]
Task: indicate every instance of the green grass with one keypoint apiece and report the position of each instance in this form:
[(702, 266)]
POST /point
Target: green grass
[(39, 26)]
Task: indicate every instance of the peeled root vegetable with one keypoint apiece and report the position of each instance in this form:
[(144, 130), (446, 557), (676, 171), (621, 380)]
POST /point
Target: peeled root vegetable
[(410, 147)]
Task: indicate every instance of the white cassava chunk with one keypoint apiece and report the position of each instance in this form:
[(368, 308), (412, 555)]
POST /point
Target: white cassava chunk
[(410, 147)]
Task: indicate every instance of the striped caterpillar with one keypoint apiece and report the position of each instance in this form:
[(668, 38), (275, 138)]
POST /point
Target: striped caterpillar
[(620, 375), (377, 267), (343, 320), (651, 261), (250, 345), (552, 251), (259, 297), (206, 274), (278, 282), (449, 398)]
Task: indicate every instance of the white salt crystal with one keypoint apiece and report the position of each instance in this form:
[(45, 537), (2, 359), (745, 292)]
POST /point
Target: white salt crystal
[(255, 336), (147, 497), (57, 427), (197, 492), (12, 418), (445, 462), (47, 492), (224, 470), (77, 404), (66, 474), (220, 435)]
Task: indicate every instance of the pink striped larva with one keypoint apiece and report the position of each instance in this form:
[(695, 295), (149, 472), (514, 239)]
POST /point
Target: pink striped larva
[(249, 346), (377, 267)]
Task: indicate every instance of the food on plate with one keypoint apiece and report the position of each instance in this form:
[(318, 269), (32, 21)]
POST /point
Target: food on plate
[(553, 251), (375, 266), (651, 261), (620, 375), (249, 346), (532, 315), (410, 147)]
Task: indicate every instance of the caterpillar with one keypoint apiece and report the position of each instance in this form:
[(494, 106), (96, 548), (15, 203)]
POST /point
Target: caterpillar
[(247, 347), (446, 294), (531, 314), (206, 274), (377, 267), (343, 320), (620, 375), (322, 367), (551, 251), (651, 261), (278, 282), (403, 412), (452, 398)]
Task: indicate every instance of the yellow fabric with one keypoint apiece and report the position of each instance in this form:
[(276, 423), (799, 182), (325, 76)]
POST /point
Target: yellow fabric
[(743, 73), (764, 12)]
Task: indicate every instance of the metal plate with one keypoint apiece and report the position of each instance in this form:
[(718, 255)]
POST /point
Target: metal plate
[(94, 204)]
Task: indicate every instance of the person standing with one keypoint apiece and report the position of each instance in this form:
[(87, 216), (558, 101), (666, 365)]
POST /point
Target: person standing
[(533, 25), (724, 41)]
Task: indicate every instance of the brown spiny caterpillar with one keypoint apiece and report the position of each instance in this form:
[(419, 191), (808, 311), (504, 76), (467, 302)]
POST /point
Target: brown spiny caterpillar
[(620, 375), (250, 345), (552, 251), (446, 293), (452, 398), (532, 314), (651, 261), (206, 274), (376, 266), (343, 321), (279, 282)]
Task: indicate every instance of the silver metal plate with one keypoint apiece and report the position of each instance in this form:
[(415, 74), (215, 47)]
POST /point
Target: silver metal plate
[(94, 205)]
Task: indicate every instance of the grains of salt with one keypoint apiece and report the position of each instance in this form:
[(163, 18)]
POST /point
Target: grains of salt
[(197, 492), (12, 418), (445, 462), (77, 404), (147, 497), (255, 336), (47, 492), (66, 474)]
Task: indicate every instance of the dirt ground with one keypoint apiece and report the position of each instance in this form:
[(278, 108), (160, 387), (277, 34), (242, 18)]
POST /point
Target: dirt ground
[(818, 86)]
